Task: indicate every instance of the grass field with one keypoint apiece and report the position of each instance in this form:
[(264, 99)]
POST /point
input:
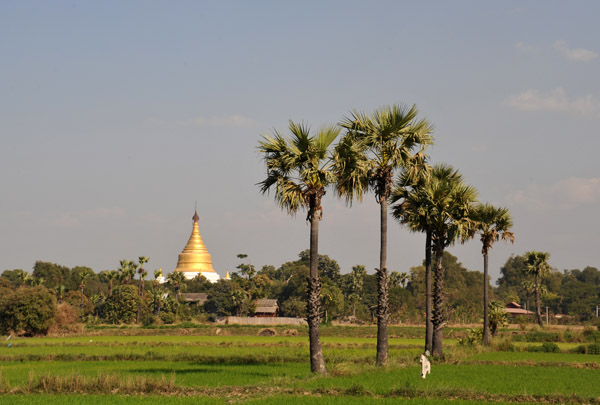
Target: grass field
[(241, 367)]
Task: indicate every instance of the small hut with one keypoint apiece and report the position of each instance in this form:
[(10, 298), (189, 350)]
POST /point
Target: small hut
[(514, 309), (266, 308)]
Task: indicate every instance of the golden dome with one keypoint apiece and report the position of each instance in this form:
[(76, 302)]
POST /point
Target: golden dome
[(194, 257)]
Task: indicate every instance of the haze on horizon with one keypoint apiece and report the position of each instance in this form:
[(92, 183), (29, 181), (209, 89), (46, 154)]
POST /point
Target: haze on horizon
[(115, 117)]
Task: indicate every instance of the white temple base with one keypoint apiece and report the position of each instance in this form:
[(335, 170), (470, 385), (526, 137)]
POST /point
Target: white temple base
[(210, 276)]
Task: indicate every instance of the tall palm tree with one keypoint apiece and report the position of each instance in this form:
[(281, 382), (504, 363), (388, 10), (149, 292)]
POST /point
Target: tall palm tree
[(156, 292), (442, 206), (412, 209), (491, 223), (299, 169), (537, 265), (374, 147), (84, 276), (142, 273)]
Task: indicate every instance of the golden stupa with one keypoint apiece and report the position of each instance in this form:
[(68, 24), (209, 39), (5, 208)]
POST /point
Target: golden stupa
[(194, 259)]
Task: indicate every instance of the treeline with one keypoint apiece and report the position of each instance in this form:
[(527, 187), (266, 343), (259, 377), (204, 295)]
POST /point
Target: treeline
[(575, 293), (31, 302)]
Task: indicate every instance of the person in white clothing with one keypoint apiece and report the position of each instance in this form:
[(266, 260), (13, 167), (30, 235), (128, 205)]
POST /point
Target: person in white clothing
[(425, 364)]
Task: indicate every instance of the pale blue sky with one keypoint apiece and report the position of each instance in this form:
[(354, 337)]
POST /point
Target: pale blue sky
[(116, 116)]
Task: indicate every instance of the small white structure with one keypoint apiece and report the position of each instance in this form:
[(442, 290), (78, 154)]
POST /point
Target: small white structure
[(425, 364)]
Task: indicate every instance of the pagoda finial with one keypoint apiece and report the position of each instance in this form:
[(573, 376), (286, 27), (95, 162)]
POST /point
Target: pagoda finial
[(196, 217)]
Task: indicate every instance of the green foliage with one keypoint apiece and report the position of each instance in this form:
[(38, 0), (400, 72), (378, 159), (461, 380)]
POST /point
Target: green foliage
[(167, 318), (52, 274), (16, 277), (497, 316), (27, 311), (294, 307), (122, 306), (474, 336), (546, 347)]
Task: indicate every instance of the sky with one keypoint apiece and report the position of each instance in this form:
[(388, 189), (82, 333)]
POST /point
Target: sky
[(117, 116)]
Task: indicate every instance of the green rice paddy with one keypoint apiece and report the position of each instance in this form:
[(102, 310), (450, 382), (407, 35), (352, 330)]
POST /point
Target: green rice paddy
[(245, 368)]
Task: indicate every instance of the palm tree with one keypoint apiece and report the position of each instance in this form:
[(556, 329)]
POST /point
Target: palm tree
[(441, 205), (299, 169), (156, 292), (176, 279), (111, 276), (491, 223), (356, 282), (374, 147), (537, 265), (82, 286), (142, 273), (412, 209)]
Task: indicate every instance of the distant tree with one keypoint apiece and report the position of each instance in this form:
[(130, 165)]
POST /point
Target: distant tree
[(328, 268), (53, 274), (17, 277), (177, 281), (332, 299), (157, 292), (27, 311), (109, 276), (354, 286), (220, 299), (538, 267), (490, 223), (246, 269), (122, 306), (299, 169), (142, 260), (294, 307), (82, 279), (126, 270)]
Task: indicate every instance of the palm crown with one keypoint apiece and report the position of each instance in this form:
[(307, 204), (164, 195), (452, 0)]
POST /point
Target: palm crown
[(299, 168), (377, 144), (492, 223)]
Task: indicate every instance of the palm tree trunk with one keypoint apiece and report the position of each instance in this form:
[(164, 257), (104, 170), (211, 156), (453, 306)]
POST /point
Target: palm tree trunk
[(317, 363), (438, 303), (81, 303), (428, 302), (486, 319), (382, 288), (139, 308), (538, 305)]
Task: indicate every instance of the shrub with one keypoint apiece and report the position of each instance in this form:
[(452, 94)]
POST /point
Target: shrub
[(474, 336), (149, 319), (66, 321), (167, 318), (547, 347), (550, 347), (594, 348), (27, 311)]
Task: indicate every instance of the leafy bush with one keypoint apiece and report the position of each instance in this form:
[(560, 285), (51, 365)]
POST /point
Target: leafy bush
[(474, 336), (27, 311), (167, 317), (593, 348), (591, 335), (546, 347), (498, 317)]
